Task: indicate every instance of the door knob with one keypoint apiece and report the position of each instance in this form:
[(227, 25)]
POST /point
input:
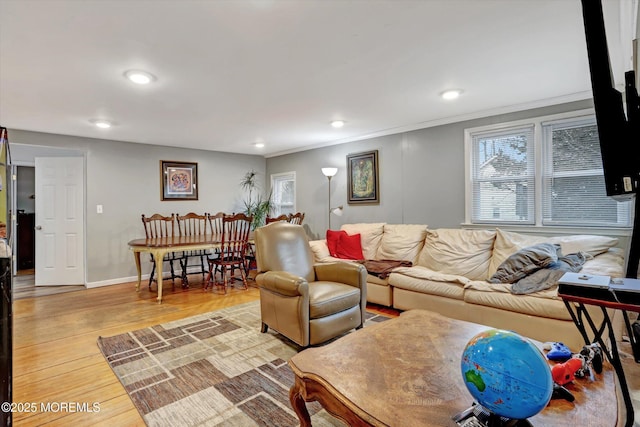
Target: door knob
[(38, 227)]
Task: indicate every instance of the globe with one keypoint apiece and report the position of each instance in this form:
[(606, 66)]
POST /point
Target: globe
[(506, 374)]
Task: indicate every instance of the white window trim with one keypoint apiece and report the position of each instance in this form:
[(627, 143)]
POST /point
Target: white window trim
[(537, 123), (275, 176)]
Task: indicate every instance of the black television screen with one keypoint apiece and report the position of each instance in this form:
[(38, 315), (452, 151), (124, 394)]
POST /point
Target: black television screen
[(619, 134)]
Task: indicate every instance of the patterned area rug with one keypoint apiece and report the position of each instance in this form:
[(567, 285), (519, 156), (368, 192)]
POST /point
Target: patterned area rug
[(214, 369)]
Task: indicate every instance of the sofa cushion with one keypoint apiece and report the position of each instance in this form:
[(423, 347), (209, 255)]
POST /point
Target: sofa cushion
[(509, 242), (370, 236), (539, 304), (460, 252), (593, 245), (610, 263), (349, 247), (402, 242), (320, 251), (425, 281), (333, 240), (524, 262)]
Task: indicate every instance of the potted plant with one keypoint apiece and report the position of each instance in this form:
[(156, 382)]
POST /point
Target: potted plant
[(255, 205)]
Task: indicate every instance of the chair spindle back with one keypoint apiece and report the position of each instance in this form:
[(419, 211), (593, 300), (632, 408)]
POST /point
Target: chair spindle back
[(158, 226), (215, 223), (235, 237), (296, 218), (192, 224), (283, 217)]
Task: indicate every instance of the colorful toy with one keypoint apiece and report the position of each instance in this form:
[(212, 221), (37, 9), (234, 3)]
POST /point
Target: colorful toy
[(559, 352), (564, 373), (592, 354), (578, 365)]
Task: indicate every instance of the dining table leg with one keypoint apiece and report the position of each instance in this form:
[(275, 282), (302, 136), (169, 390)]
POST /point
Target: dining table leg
[(158, 255), (136, 257)]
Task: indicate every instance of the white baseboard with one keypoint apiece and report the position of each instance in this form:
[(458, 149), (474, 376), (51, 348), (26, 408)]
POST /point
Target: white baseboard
[(145, 277), (116, 281)]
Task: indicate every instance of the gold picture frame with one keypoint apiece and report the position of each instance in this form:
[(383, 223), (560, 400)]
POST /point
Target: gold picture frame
[(179, 180), (362, 178)]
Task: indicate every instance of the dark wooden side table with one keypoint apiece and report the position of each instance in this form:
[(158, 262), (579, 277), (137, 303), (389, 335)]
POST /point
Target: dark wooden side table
[(576, 306), (406, 372)]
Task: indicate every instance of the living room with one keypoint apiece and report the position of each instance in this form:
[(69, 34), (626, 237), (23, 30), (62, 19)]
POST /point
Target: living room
[(421, 164), (432, 151)]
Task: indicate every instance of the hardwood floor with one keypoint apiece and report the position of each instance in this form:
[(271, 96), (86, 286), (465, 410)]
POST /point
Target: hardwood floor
[(24, 286), (56, 358)]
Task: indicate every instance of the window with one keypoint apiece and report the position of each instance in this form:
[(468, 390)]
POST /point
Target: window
[(502, 171), (545, 172), (283, 193)]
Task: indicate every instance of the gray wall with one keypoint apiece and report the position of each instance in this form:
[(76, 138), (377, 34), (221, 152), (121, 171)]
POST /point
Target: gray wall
[(421, 175), (125, 179), (421, 182)]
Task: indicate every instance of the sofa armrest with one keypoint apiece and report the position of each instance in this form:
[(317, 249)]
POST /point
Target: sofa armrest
[(342, 272), (283, 283)]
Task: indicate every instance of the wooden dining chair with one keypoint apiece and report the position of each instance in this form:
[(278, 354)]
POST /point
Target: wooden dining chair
[(283, 217), (296, 218), (156, 226), (216, 228), (215, 223), (233, 248), (192, 224)]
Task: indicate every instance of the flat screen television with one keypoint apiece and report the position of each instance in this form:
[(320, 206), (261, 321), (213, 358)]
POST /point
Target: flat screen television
[(619, 131)]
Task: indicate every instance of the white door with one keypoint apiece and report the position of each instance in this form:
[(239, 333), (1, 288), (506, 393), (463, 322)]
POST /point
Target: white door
[(59, 221)]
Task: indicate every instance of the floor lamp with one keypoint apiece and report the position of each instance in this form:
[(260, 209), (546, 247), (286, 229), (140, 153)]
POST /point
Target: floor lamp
[(329, 173)]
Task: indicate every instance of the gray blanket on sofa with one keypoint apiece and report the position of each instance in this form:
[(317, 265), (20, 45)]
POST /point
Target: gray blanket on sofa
[(536, 268)]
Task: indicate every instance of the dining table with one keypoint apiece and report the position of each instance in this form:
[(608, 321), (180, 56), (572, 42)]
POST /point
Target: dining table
[(160, 246)]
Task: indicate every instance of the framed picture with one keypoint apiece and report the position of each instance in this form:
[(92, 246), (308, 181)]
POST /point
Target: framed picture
[(179, 180), (362, 178)]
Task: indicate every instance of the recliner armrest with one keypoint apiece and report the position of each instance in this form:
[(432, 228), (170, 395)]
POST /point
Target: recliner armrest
[(342, 272), (284, 283)]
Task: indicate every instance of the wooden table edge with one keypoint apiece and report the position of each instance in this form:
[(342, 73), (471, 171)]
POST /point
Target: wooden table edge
[(309, 387)]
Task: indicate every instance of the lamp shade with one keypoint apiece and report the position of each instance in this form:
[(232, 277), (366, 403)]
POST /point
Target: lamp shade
[(337, 211), (329, 171)]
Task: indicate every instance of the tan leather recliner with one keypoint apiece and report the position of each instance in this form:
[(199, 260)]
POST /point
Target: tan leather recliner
[(307, 303)]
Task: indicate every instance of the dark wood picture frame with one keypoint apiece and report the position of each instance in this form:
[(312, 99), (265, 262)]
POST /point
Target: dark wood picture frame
[(362, 178), (178, 180)]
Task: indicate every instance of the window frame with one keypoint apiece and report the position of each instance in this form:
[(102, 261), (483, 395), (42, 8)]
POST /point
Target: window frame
[(541, 155), (528, 175), (284, 176)]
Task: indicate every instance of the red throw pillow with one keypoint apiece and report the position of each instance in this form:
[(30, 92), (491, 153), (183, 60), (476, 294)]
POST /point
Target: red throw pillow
[(350, 247), (333, 238)]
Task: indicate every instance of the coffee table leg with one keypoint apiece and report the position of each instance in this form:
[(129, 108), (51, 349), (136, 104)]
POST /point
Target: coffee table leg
[(298, 404)]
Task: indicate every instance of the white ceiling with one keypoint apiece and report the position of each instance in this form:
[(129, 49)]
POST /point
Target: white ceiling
[(230, 73)]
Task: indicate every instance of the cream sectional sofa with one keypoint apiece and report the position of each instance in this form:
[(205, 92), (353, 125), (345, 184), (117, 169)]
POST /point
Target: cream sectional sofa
[(450, 271)]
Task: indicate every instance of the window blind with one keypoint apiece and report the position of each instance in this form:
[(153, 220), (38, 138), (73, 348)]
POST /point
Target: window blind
[(502, 176), (572, 179)]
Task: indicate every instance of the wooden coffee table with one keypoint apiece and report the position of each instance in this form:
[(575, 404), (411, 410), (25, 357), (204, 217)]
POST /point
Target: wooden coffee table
[(406, 372)]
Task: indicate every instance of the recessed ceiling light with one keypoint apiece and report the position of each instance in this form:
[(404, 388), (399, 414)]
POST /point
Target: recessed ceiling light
[(259, 144), (451, 94), (102, 124), (337, 123), (139, 77)]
